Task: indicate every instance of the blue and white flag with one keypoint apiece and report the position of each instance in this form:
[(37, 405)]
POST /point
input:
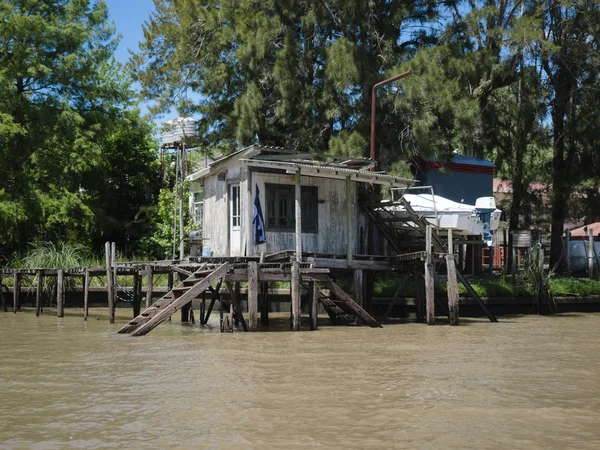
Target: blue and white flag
[(258, 222)]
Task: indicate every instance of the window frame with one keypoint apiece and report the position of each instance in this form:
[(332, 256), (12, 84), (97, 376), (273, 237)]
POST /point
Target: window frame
[(309, 200)]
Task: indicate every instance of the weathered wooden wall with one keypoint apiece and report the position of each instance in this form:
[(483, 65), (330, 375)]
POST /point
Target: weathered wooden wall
[(216, 210), (331, 235)]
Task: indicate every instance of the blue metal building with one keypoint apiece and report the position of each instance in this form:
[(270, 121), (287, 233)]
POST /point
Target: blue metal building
[(462, 179)]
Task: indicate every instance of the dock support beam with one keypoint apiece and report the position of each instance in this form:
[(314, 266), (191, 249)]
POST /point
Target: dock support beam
[(253, 295), (264, 303), (109, 285), (429, 280), (38, 292), (359, 290), (60, 293), (295, 288), (16, 290), (149, 286), (452, 290), (313, 295), (137, 293), (86, 293)]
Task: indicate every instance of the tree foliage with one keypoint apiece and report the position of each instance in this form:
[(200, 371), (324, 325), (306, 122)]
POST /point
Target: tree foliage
[(77, 160)]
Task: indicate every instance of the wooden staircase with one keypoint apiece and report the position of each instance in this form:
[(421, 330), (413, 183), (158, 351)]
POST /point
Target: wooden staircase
[(343, 308), (175, 299), (437, 242)]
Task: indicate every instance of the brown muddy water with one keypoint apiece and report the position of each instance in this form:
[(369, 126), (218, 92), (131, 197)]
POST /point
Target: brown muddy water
[(526, 382)]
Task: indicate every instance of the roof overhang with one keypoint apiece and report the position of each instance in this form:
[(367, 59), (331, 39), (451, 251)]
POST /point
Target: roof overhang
[(323, 171)]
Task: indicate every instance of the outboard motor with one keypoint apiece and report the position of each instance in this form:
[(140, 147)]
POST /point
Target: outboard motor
[(485, 206)]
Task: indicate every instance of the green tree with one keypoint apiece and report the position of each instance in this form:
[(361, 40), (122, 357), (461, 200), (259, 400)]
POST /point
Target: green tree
[(75, 155), (294, 72)]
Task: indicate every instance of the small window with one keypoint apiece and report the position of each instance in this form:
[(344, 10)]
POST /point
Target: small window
[(281, 208), (236, 216), (198, 209)]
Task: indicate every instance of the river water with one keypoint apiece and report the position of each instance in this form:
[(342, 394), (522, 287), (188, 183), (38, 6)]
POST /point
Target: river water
[(526, 382)]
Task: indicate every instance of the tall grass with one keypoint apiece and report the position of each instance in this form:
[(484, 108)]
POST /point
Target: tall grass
[(48, 255), (538, 279)]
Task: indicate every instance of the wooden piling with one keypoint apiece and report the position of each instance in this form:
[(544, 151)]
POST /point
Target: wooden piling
[(137, 293), (295, 291), (203, 319), (185, 313), (252, 295), (429, 280), (38, 292), (264, 303), (16, 290), (60, 293), (420, 298), (313, 295), (2, 299), (221, 323), (359, 286), (109, 285), (235, 301), (170, 281), (452, 287), (86, 293), (149, 285)]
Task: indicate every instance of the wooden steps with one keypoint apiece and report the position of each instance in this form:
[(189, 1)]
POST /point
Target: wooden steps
[(342, 307), (177, 298)]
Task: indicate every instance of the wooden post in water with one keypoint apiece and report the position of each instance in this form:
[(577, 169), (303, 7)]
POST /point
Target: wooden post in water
[(109, 285), (137, 293), (252, 295), (429, 279), (86, 293), (221, 323), (590, 252), (113, 260), (60, 293), (313, 295), (452, 290), (149, 285), (16, 290), (295, 291), (38, 292), (264, 298), (359, 290)]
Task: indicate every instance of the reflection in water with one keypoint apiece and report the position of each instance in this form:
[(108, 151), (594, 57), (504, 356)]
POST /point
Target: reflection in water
[(527, 382)]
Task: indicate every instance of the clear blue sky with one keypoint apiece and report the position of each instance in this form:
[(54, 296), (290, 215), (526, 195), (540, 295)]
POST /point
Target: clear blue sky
[(128, 17)]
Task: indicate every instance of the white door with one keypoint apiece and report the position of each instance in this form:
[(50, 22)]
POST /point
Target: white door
[(235, 217)]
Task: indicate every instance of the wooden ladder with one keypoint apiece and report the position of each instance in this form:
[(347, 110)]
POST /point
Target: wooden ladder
[(174, 300)]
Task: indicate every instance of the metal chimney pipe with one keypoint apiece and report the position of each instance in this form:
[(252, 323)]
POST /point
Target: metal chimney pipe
[(373, 105)]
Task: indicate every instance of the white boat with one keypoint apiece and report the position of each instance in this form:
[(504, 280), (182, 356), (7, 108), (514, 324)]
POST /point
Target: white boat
[(446, 214)]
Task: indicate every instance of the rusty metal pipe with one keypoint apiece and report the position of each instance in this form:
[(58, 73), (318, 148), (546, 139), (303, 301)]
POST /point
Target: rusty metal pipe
[(373, 104)]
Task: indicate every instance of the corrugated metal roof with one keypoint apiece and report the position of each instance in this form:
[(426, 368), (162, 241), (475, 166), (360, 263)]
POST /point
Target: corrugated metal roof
[(317, 167)]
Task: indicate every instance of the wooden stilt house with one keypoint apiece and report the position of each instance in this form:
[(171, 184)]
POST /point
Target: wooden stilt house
[(309, 202)]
